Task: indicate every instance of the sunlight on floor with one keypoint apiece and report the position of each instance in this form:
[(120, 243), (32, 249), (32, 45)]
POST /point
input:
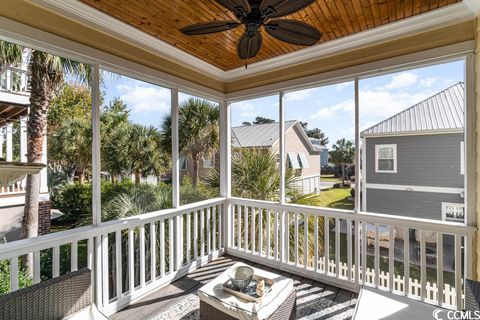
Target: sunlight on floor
[(375, 306)]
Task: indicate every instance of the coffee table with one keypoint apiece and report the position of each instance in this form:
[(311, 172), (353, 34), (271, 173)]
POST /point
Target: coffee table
[(278, 304)]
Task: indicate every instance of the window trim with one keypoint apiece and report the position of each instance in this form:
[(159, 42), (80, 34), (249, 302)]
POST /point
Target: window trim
[(444, 212), (377, 148), (180, 167), (213, 162)]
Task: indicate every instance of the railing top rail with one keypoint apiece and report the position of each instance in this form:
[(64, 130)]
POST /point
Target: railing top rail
[(24, 246), (367, 217)]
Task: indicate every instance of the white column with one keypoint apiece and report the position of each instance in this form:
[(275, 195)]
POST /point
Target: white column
[(281, 110), (225, 169), (8, 75), (357, 148), (23, 139), (9, 145), (2, 131), (43, 172), (178, 226)]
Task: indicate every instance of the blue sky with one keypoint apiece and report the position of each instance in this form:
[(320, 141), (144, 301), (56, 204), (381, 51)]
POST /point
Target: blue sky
[(330, 108)]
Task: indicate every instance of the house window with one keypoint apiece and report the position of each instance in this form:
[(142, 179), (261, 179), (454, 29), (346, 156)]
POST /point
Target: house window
[(183, 162), (453, 212), (293, 160), (386, 158), (208, 161), (303, 161)]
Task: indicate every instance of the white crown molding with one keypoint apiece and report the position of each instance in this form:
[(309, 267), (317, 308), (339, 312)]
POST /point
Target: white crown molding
[(82, 12), (473, 5), (79, 11)]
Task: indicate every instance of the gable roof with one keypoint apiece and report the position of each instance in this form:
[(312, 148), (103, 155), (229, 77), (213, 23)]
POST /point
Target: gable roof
[(442, 111), (258, 135)]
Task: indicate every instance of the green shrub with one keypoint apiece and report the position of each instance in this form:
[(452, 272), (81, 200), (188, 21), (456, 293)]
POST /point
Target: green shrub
[(74, 201), (23, 279)]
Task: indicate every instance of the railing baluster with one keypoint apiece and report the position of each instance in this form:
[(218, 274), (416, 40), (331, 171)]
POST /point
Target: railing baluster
[(131, 265), (406, 260), (364, 252), (377, 255), (458, 272), (89, 254), (423, 265), (296, 239), (245, 226), (315, 243), (171, 244), (162, 248), (74, 256), (56, 261), (305, 240), (105, 269), (253, 229), (275, 235), (391, 259), (209, 233), (337, 247), (36, 267), (349, 249), (239, 227), (357, 253), (260, 231), (326, 245), (268, 231), (214, 228), (142, 255), (14, 274), (202, 233), (189, 238), (118, 264), (195, 235), (440, 268), (221, 210)]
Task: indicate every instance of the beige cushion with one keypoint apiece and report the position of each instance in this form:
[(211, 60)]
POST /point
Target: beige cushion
[(212, 293)]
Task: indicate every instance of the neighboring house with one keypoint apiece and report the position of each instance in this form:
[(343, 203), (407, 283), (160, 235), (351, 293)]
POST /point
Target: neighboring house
[(300, 152), (414, 161), (14, 103), (323, 151), (206, 164)]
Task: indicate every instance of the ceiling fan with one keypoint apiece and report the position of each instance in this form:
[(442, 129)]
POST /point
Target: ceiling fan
[(253, 14)]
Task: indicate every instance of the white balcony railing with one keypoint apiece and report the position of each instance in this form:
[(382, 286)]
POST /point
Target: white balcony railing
[(135, 255), (15, 80)]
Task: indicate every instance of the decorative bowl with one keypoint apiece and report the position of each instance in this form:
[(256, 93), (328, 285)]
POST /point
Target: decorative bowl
[(241, 276)]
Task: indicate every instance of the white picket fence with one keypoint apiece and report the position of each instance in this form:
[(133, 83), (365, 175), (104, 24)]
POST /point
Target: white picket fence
[(415, 287)]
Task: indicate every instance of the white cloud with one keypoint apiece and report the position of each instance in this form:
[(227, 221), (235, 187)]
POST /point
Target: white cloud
[(145, 98), (428, 82), (402, 80), (299, 95), (343, 85), (333, 111)]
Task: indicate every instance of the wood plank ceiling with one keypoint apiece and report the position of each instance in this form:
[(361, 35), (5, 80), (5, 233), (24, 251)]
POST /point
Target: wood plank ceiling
[(334, 18)]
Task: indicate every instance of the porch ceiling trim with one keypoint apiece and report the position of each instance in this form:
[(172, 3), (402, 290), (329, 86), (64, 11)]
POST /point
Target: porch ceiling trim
[(365, 70), (428, 21), (31, 37)]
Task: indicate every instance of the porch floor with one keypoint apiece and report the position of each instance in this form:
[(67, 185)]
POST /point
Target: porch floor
[(315, 300)]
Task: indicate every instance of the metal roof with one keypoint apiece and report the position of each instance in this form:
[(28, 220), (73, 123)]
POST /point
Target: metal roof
[(442, 111), (259, 135)]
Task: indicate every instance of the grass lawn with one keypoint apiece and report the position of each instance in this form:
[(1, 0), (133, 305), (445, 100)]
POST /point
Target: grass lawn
[(336, 198), (329, 178)]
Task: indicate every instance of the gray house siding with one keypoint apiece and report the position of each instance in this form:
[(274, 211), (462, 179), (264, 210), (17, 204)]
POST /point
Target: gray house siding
[(426, 205), (422, 160)]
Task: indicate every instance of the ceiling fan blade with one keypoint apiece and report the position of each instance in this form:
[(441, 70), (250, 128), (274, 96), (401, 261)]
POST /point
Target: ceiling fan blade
[(249, 44), (209, 27), (278, 8), (236, 6), (292, 31)]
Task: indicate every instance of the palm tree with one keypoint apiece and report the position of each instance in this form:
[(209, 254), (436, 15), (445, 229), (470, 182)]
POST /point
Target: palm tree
[(343, 154), (46, 72), (198, 131)]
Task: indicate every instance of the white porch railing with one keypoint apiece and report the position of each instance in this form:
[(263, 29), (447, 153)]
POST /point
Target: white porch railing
[(133, 256), (359, 251), (15, 80)]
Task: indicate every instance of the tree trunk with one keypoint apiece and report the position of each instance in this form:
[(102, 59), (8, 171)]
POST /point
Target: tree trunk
[(42, 85), (343, 175), (81, 177), (137, 176), (195, 172)]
